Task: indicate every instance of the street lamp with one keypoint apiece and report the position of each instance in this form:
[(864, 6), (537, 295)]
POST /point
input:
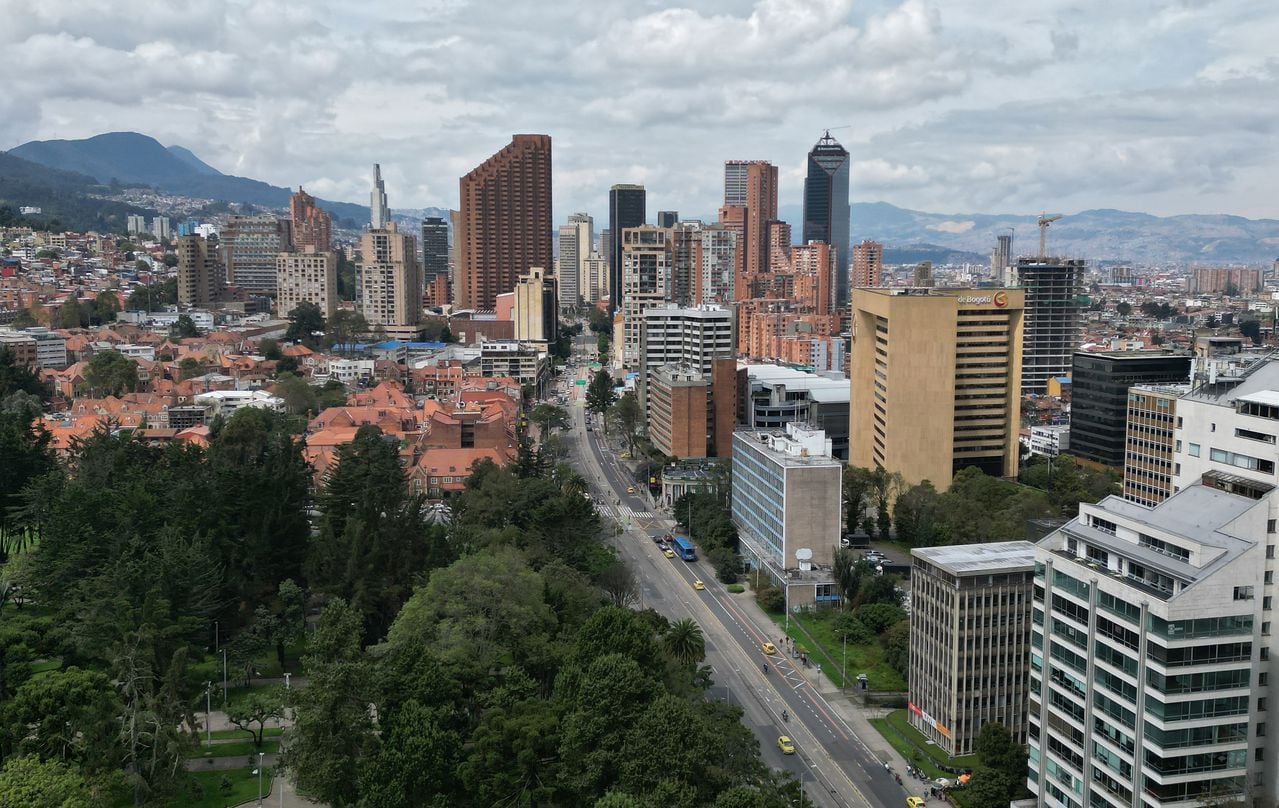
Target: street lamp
[(208, 712), (287, 675), (261, 755)]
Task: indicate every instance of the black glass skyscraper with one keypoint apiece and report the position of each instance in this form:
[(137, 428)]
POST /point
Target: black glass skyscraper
[(435, 247), (826, 206), (627, 207)]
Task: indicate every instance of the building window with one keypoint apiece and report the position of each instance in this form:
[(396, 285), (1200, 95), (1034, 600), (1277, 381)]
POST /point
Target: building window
[(1270, 528), (1261, 729), (1193, 448), (1243, 593)]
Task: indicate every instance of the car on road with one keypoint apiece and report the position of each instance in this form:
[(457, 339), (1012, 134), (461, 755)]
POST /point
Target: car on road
[(768, 648), (915, 802), (784, 743), (668, 552), (698, 585), (657, 537), (630, 489)]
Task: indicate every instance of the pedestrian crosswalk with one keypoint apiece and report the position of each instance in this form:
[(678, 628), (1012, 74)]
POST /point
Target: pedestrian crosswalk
[(621, 512), (634, 514)]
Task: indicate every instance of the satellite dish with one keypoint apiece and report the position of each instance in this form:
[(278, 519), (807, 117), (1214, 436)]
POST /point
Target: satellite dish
[(804, 554)]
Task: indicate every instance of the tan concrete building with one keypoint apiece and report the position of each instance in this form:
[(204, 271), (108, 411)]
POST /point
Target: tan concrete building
[(536, 308), (308, 276), (970, 641), (935, 381), (200, 274), (678, 423), (647, 259), (868, 264), (391, 282), (1149, 443)]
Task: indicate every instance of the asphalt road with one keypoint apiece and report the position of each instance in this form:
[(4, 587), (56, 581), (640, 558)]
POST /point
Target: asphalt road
[(834, 765)]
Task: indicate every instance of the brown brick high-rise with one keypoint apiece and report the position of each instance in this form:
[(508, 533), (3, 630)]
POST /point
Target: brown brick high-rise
[(312, 226), (505, 220)]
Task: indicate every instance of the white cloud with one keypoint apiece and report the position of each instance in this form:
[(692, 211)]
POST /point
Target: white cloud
[(962, 105)]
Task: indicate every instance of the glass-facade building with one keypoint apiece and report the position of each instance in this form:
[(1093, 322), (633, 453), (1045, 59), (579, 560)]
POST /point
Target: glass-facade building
[(826, 212)]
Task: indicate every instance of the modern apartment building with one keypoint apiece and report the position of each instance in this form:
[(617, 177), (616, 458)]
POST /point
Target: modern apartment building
[(716, 267), (970, 641), (786, 504), (311, 225), (307, 276), (592, 283), (627, 208), (200, 273), (934, 381), (696, 335), (814, 267), (1053, 290), (1099, 405), (680, 416), (647, 258), (683, 343), (1149, 442), (1150, 654), (868, 264), (826, 211), (1233, 281), (390, 282), (923, 275), (575, 240), (249, 246), (505, 221)]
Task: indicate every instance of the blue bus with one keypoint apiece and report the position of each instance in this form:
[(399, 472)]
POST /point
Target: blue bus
[(685, 549)]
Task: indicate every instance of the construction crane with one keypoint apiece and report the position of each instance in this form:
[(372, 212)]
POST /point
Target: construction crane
[(1044, 221)]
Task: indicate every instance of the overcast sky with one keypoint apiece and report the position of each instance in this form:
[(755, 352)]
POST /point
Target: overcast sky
[(1164, 106)]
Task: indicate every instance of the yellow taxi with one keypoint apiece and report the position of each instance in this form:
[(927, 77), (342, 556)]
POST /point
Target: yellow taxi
[(769, 648), (668, 552), (630, 489), (698, 585), (784, 744), (915, 802)]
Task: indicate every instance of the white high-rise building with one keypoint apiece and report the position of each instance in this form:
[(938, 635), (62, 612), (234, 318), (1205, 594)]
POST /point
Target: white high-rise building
[(592, 282), (575, 239), (379, 213)]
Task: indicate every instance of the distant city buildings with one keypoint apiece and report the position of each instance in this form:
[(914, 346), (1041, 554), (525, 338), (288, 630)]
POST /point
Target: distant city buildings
[(307, 276), (200, 273), (627, 208), (249, 246), (1233, 281), (505, 223), (312, 226), (826, 208), (575, 247), (160, 227), (379, 213), (868, 265)]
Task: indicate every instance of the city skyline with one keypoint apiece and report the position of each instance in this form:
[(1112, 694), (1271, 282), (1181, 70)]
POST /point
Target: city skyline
[(955, 108)]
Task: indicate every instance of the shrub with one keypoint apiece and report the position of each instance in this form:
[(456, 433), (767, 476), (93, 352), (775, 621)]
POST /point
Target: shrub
[(771, 599), (736, 589)]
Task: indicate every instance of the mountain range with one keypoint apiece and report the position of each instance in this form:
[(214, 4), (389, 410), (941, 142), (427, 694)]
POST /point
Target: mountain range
[(908, 235)]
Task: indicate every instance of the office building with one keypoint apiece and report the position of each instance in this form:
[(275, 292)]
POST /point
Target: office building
[(826, 210), (21, 348), (687, 244), (505, 221), (970, 611), (868, 264), (1149, 441), (249, 246), (575, 240), (1232, 281), (1099, 405), (160, 227), (1149, 654), (787, 492), (696, 335), (667, 218), (1049, 440), (390, 282), (1053, 289), (306, 276), (687, 342), (647, 256), (435, 248), (934, 382), (593, 280), (536, 310), (1001, 259), (200, 273), (771, 396), (627, 208), (379, 212), (312, 226), (923, 275)]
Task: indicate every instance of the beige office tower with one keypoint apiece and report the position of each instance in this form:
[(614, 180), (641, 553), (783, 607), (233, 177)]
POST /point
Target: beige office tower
[(536, 310), (935, 381), (575, 239), (592, 283), (308, 276), (647, 258), (200, 273), (390, 282), (868, 264)]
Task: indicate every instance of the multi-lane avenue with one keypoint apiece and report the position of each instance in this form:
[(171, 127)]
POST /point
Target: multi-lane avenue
[(836, 768)]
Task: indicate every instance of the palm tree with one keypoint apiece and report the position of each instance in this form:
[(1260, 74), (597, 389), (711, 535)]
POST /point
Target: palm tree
[(685, 643)]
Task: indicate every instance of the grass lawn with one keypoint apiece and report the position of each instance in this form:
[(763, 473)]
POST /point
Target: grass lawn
[(812, 633), (225, 734), (897, 730), (45, 665), (238, 749), (206, 790)]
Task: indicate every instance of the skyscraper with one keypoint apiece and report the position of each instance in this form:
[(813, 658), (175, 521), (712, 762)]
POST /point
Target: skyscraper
[(826, 215), (717, 265), (505, 220), (667, 218), (306, 276), (379, 213), (627, 207), (249, 247), (1002, 258), (923, 275), (200, 275), (761, 208), (576, 239), (1100, 398), (312, 226), (647, 256), (1053, 318), (813, 265), (435, 248), (868, 265), (390, 282)]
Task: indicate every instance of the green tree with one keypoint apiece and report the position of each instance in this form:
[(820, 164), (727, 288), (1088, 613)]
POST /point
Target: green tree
[(917, 514), (25, 447), (627, 416), (70, 715), (896, 642), (858, 488), (306, 320), (24, 319), (1124, 308), (599, 321), (1251, 328), (879, 617), (105, 307), (998, 753), (183, 328), (988, 787), (189, 368), (344, 327), (111, 373), (31, 782), (446, 334), (154, 296), (170, 260), (599, 394), (251, 711), (15, 377), (685, 643), (269, 349), (548, 417), (71, 314), (299, 396)]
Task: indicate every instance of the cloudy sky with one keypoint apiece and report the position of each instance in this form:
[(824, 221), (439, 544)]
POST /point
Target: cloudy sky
[(1164, 106)]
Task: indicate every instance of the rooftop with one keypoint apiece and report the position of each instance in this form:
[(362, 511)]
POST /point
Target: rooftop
[(980, 559), (1263, 375)]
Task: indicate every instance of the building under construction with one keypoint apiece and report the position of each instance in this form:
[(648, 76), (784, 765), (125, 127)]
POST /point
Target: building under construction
[(1053, 318)]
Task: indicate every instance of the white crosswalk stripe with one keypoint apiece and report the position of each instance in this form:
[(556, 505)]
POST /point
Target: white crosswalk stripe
[(636, 514)]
